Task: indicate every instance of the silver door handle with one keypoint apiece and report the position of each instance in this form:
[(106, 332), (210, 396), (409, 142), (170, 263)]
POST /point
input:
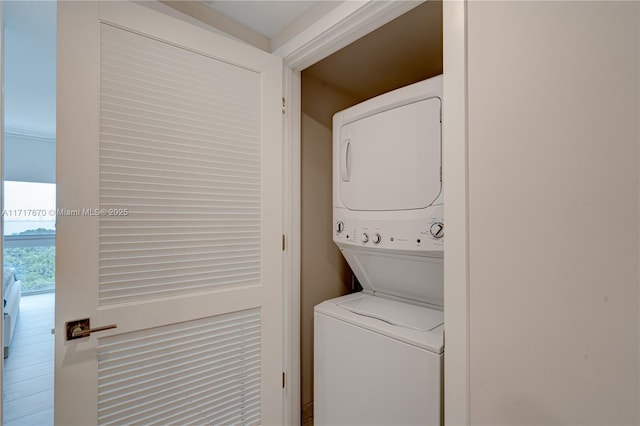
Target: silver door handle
[(82, 328)]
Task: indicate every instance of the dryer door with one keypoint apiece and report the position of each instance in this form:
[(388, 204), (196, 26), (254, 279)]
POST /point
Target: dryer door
[(391, 160)]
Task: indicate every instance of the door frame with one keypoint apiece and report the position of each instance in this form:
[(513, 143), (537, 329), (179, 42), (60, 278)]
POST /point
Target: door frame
[(2, 203), (343, 25)]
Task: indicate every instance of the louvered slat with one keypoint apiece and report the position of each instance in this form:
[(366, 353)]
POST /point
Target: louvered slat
[(202, 372), (191, 183)]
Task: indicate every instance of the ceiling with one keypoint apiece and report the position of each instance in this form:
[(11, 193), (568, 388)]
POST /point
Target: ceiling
[(266, 17)]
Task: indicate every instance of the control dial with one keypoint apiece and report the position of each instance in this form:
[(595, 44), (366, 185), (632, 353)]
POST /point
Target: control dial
[(339, 227), (437, 230), (377, 238), (364, 237)]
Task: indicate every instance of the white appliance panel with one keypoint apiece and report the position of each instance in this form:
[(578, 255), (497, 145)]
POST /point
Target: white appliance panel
[(395, 313), (419, 232), (365, 378), (416, 325), (391, 160), (415, 278)]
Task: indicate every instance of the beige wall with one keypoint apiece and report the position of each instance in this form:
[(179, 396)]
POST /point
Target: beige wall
[(553, 112), (324, 274), (320, 101)]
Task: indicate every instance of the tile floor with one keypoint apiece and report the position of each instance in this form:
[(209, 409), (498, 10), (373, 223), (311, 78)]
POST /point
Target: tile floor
[(28, 371)]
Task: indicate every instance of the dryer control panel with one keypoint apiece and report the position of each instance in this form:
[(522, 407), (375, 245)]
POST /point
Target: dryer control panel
[(423, 233)]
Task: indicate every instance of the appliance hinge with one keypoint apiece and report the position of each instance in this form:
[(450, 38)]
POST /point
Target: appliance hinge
[(283, 242), (440, 112), (283, 379), (284, 105), (440, 174)]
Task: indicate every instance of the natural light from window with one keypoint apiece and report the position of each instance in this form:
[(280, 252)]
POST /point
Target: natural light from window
[(29, 216), (29, 206)]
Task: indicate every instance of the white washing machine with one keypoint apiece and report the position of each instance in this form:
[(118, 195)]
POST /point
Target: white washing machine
[(377, 362), (378, 353)]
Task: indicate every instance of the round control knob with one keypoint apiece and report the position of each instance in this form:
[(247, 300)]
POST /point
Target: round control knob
[(377, 238), (365, 237), (339, 227), (437, 230)]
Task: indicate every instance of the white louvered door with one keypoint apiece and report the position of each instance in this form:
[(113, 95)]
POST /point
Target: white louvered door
[(169, 222)]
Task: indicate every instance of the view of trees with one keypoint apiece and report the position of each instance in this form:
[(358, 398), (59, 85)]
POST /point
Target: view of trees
[(35, 266)]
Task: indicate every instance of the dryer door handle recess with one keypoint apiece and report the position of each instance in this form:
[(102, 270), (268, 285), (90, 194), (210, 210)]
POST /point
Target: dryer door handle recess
[(345, 160)]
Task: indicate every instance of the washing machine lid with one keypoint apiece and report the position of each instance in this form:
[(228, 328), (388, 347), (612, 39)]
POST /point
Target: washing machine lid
[(415, 325), (408, 276), (395, 313)]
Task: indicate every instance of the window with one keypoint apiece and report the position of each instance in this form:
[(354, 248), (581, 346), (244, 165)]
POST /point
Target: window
[(29, 233)]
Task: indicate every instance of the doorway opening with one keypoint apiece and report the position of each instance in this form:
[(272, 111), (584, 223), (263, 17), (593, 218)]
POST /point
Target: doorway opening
[(29, 211), (406, 50)]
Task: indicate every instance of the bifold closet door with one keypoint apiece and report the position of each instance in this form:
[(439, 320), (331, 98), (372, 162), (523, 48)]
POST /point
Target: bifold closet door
[(169, 222)]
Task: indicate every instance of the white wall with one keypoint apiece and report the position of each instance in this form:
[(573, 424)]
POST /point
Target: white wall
[(29, 91), (30, 67), (29, 158), (553, 107)]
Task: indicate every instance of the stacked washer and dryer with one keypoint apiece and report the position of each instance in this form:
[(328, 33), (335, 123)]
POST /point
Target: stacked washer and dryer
[(379, 352)]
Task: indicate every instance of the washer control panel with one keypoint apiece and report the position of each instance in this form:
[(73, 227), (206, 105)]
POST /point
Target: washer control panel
[(423, 233)]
